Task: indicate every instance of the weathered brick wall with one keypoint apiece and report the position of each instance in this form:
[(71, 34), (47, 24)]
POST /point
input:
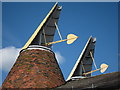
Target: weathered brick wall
[(34, 69)]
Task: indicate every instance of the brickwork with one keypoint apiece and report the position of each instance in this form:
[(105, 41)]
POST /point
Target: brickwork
[(34, 69)]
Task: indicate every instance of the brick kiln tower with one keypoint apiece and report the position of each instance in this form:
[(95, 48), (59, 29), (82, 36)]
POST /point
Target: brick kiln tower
[(36, 66)]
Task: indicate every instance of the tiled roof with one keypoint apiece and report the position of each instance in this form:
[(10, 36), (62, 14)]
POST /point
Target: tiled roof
[(34, 69), (110, 80)]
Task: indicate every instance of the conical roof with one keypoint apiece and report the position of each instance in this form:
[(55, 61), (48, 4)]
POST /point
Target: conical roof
[(35, 68)]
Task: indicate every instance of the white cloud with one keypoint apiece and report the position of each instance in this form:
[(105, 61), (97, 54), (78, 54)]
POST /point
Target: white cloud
[(59, 57), (8, 57)]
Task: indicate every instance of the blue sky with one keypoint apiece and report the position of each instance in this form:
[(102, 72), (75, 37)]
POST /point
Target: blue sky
[(100, 20)]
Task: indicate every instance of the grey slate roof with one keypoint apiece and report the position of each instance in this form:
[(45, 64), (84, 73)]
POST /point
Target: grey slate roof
[(110, 80)]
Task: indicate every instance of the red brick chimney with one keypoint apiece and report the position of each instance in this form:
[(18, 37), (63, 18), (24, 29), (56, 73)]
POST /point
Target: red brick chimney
[(35, 68)]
